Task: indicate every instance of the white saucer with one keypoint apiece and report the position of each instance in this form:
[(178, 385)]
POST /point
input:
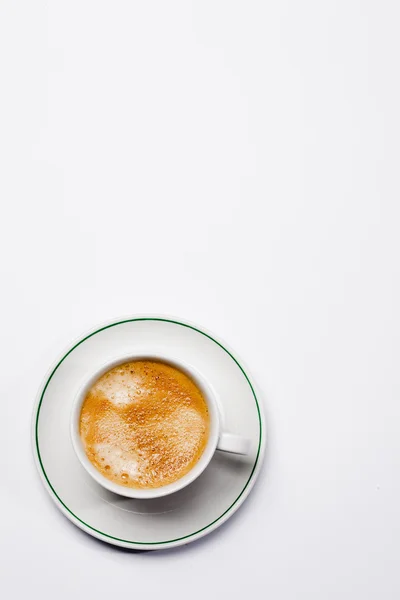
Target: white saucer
[(164, 522)]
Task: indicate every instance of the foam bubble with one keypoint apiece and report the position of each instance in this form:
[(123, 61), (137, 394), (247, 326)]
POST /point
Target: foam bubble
[(121, 387), (119, 461)]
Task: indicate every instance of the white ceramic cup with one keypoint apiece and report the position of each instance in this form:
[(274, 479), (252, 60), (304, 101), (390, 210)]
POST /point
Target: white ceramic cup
[(217, 439)]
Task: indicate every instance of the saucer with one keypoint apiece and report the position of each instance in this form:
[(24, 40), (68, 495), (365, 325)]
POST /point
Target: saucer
[(172, 520)]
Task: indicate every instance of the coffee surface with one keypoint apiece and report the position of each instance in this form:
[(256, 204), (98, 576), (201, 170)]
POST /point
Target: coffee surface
[(144, 424)]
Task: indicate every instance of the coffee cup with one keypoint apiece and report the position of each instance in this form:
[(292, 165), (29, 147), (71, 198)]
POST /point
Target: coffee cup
[(218, 439)]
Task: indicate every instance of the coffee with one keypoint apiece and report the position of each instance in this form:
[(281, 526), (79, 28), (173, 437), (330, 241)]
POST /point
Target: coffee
[(144, 424)]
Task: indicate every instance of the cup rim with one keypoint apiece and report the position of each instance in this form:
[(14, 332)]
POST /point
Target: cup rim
[(199, 467)]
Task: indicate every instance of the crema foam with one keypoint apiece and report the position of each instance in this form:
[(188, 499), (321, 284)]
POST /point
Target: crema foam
[(144, 424)]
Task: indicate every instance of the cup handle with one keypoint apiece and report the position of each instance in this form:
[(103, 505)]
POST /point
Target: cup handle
[(229, 442)]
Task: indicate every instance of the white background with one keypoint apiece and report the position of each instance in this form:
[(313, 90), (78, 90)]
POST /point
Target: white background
[(235, 164)]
